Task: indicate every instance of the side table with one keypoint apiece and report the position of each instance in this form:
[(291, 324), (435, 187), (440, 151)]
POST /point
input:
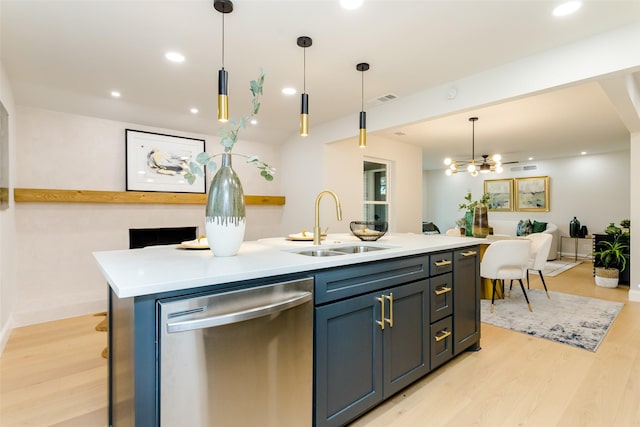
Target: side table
[(576, 240)]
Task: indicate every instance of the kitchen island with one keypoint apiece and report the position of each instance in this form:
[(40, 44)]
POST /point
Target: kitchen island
[(428, 285)]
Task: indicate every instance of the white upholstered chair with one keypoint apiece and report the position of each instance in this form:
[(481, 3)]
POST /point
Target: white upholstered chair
[(453, 232), (540, 246), (506, 260)]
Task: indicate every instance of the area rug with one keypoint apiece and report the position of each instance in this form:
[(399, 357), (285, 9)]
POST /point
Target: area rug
[(569, 319), (553, 268)]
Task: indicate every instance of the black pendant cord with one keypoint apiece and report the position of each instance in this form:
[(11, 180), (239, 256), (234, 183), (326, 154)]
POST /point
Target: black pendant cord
[(473, 138), (362, 92), (223, 41), (304, 70)]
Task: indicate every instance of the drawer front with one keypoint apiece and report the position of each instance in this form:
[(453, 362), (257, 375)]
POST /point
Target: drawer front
[(441, 342), (440, 263), (345, 282), (441, 294)]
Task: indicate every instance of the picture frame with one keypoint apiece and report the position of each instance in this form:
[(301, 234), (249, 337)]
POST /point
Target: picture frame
[(155, 162), (500, 193), (532, 194), (4, 158)]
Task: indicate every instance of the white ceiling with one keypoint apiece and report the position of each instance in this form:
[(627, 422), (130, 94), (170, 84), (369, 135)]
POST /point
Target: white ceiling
[(69, 55)]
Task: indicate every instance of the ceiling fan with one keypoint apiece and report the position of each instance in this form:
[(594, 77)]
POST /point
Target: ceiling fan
[(486, 165)]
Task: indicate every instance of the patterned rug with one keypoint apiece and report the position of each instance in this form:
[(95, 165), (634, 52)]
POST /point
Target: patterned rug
[(553, 268), (569, 319)]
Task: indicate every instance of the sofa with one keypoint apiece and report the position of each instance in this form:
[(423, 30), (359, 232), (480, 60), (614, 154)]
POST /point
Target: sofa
[(503, 227)]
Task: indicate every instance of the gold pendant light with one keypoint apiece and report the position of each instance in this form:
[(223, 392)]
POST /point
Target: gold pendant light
[(362, 137), (304, 42), (224, 7)]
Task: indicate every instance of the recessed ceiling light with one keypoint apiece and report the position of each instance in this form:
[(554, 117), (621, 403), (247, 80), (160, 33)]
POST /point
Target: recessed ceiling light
[(530, 158), (194, 110), (583, 153), (351, 4), (289, 91), (567, 8), (174, 56), (115, 94), (253, 122)]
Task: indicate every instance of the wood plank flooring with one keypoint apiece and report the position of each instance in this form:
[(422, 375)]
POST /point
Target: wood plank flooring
[(52, 374)]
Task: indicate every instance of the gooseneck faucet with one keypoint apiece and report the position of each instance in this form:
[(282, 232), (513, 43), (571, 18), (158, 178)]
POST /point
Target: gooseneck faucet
[(316, 227)]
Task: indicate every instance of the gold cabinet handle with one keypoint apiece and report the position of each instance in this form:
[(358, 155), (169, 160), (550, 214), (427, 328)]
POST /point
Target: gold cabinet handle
[(390, 319), (469, 253), (382, 319), (442, 335), (442, 290), (442, 263)]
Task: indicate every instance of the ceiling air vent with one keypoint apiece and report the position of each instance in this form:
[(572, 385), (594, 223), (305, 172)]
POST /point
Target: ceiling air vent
[(384, 99), (524, 168)]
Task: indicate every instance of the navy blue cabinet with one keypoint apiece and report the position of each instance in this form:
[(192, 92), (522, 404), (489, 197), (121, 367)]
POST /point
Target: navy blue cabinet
[(466, 300), (381, 326), (373, 344)]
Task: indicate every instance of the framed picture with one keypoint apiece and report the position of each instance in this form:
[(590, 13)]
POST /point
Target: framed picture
[(157, 162), (532, 194), (500, 193), (4, 158)]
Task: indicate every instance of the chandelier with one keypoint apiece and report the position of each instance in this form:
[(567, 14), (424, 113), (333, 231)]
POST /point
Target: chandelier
[(472, 166)]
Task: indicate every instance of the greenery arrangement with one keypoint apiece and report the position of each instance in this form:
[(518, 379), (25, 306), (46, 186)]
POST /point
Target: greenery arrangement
[(229, 137), (471, 204), (613, 253)]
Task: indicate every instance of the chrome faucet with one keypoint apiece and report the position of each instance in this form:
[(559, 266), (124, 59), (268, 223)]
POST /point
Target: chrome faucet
[(317, 234)]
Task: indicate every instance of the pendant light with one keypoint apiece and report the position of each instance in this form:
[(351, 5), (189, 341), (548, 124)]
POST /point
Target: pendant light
[(304, 42), (224, 7), (362, 138)]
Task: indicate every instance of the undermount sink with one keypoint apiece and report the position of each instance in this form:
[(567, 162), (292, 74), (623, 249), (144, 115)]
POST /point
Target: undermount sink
[(320, 252), (340, 250), (359, 249)]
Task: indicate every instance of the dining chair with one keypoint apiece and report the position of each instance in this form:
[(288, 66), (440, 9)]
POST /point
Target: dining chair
[(453, 232), (506, 260), (540, 247)]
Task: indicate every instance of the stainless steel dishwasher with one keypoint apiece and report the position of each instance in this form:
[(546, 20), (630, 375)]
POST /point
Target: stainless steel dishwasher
[(241, 358)]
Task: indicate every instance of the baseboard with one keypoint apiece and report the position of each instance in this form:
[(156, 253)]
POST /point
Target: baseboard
[(61, 312), (5, 333), (634, 295)]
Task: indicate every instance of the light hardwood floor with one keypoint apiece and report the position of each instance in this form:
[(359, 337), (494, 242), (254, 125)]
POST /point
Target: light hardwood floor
[(52, 375)]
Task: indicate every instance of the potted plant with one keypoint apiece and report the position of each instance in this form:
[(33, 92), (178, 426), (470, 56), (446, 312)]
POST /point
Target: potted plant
[(461, 223), (612, 259)]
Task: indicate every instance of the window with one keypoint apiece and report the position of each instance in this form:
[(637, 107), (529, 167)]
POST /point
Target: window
[(376, 191)]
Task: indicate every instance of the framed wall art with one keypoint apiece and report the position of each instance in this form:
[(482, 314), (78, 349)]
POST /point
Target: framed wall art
[(4, 158), (500, 193), (158, 162), (532, 194)]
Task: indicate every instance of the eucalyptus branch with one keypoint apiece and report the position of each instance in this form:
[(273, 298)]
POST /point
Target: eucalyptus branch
[(228, 138)]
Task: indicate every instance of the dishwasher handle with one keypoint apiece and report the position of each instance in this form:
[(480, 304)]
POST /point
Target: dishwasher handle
[(294, 300)]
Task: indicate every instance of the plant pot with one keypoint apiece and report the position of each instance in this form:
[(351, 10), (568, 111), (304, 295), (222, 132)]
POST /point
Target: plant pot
[(225, 217), (607, 277)]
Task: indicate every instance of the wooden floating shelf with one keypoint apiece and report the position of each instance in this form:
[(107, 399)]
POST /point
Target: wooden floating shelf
[(37, 195)]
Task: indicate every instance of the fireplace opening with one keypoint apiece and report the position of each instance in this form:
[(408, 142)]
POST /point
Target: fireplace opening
[(142, 237)]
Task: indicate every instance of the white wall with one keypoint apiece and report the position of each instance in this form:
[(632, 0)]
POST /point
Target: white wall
[(56, 276), (343, 162), (315, 166), (7, 224), (594, 188), (634, 291)]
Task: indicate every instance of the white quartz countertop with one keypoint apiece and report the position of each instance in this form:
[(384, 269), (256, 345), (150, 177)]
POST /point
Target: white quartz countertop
[(156, 269)]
